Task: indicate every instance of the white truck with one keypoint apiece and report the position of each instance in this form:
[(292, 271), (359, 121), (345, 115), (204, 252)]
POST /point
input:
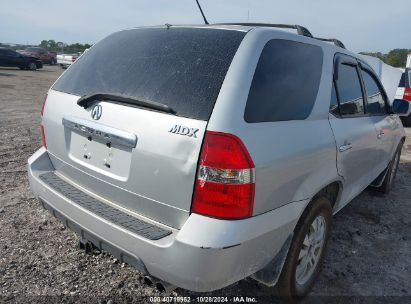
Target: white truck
[(390, 76), (65, 60)]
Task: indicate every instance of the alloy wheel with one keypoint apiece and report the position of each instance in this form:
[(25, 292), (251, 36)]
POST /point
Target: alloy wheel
[(311, 250)]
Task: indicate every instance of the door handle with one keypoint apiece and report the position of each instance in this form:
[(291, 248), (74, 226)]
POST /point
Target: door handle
[(381, 134), (346, 146)]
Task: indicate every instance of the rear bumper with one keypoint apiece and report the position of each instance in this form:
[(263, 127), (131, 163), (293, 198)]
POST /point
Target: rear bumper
[(64, 63), (204, 255)]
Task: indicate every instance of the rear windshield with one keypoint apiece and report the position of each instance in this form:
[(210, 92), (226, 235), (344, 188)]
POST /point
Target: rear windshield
[(182, 68)]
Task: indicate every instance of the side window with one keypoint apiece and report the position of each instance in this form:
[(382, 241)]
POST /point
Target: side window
[(375, 97), (285, 83), (349, 91)]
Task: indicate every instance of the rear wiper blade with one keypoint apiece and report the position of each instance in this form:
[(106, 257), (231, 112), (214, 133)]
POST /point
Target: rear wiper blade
[(86, 100)]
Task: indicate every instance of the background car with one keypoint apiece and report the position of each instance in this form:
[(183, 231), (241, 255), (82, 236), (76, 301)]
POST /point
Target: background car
[(42, 54), (10, 58), (404, 92)]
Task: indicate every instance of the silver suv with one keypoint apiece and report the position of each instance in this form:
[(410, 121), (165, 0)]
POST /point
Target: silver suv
[(203, 155)]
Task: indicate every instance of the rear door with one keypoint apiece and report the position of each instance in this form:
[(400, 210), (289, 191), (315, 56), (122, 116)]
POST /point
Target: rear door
[(354, 131), (139, 157), (3, 59), (14, 58), (11, 58), (42, 54), (377, 108)]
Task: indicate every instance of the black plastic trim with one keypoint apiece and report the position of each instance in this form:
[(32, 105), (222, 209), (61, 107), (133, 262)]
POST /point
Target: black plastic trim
[(120, 254), (115, 216)]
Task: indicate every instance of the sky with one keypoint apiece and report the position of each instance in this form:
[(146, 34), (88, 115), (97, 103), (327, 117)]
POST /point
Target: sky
[(362, 25)]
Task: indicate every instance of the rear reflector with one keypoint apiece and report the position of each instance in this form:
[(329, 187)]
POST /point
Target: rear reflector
[(225, 182), (43, 105), (407, 94), (43, 136)]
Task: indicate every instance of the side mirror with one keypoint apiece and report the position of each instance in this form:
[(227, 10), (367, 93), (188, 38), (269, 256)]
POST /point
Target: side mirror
[(401, 107)]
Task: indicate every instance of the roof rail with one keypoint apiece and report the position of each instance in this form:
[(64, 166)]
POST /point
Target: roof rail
[(301, 30), (333, 40)]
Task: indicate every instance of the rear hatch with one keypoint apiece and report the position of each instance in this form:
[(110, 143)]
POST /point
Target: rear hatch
[(136, 140)]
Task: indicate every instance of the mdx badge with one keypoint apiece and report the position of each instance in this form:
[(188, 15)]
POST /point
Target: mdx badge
[(96, 112), (181, 130)]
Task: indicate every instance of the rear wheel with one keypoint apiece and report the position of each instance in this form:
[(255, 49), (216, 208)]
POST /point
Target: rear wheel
[(306, 253), (388, 182), (32, 66)]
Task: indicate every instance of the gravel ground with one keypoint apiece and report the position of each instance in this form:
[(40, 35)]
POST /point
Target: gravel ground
[(369, 253)]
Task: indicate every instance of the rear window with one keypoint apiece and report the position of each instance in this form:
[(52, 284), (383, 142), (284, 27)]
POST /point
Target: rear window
[(402, 81), (349, 91), (285, 82), (182, 68)]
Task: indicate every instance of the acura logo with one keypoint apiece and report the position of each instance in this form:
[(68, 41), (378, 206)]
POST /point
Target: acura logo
[(96, 112)]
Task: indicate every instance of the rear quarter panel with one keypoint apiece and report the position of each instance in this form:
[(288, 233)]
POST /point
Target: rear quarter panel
[(293, 159)]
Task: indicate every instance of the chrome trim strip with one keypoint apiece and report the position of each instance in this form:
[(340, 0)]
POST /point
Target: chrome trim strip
[(105, 133)]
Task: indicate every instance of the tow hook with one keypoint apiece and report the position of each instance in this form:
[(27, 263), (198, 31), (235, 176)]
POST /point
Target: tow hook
[(87, 246)]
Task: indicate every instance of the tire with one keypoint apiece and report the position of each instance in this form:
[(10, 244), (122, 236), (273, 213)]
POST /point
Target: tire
[(389, 178), (297, 277), (406, 120), (32, 66)]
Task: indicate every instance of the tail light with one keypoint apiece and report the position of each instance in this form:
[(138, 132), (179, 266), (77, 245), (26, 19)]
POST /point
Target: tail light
[(73, 59), (407, 94), (43, 136), (225, 182)]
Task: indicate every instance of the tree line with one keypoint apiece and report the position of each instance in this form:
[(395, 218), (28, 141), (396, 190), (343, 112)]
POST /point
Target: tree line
[(396, 57), (53, 46)]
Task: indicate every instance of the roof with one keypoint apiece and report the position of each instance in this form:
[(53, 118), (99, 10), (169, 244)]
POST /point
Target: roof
[(300, 30)]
